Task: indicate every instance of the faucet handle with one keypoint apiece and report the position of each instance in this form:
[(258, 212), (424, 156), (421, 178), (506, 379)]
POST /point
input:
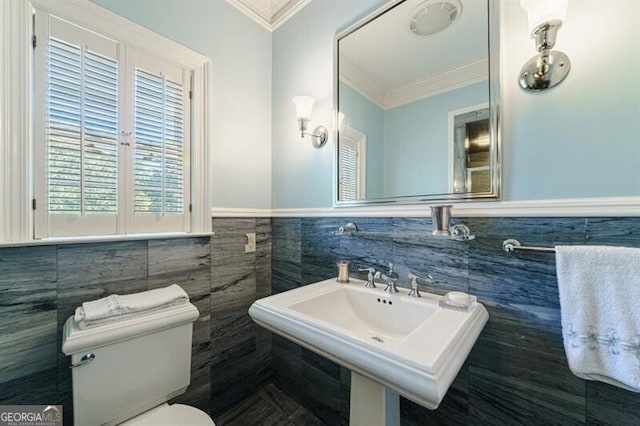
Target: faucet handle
[(391, 283), (370, 276), (414, 283)]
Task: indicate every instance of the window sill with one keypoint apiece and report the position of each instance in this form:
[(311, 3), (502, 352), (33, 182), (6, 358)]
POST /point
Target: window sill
[(104, 239)]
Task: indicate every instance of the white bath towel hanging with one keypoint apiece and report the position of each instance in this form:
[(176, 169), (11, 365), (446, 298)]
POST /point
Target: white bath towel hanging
[(116, 307), (600, 309)]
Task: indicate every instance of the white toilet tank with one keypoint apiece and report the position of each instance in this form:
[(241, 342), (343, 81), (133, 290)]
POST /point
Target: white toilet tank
[(137, 364)]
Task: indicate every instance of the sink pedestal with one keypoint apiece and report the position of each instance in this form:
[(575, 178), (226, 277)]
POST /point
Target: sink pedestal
[(372, 404)]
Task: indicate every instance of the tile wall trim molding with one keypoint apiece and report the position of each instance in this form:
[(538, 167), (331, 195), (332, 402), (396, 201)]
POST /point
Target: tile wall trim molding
[(568, 207)]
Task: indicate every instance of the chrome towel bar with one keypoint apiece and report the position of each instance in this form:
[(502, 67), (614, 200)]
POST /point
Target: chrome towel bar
[(511, 246)]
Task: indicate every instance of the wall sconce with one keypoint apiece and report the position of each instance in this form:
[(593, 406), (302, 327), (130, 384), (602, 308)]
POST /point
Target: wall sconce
[(548, 68), (304, 106), (340, 121)]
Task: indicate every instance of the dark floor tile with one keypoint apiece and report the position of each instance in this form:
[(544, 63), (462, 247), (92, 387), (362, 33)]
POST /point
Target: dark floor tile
[(609, 405), (251, 411), (268, 406)]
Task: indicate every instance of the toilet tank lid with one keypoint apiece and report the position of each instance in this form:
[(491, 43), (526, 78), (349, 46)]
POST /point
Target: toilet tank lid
[(76, 340)]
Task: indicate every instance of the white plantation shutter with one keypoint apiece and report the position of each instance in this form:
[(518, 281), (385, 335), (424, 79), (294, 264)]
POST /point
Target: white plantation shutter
[(159, 151), (78, 133), (351, 165), (348, 164), (160, 145), (112, 136), (82, 131)]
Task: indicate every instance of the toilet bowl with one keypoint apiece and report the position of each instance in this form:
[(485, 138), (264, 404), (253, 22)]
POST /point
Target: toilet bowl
[(124, 372), (176, 414)]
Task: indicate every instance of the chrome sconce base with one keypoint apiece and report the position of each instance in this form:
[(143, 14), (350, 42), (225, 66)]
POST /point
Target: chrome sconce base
[(544, 71), (318, 137), (549, 68)]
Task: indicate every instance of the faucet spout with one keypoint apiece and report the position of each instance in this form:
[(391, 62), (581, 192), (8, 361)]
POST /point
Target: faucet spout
[(390, 279)]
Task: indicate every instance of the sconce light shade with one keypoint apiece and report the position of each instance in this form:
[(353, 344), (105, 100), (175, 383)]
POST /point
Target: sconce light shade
[(340, 121), (549, 68), (304, 107), (541, 11)]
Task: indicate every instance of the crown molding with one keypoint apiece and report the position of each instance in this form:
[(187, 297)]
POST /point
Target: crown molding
[(269, 14), (569, 207), (436, 84), (361, 82), (455, 78)]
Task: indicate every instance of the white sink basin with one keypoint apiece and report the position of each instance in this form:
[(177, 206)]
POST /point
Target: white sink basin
[(412, 346)]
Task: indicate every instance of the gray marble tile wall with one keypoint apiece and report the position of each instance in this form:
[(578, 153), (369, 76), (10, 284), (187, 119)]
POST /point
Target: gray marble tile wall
[(517, 372), (41, 286)]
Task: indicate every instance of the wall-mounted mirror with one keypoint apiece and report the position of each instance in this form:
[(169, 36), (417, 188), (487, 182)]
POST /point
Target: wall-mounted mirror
[(417, 103)]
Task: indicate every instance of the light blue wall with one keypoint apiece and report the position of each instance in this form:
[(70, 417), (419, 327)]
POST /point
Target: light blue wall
[(416, 151), (407, 146), (241, 55), (580, 139), (368, 118), (303, 65)]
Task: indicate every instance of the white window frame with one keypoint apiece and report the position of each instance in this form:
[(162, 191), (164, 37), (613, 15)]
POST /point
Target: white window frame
[(16, 183)]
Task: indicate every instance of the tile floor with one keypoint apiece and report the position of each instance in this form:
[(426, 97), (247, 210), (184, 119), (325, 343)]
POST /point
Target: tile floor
[(267, 407)]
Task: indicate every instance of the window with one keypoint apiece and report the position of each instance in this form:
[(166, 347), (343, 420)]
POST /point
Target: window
[(351, 165), (112, 139)]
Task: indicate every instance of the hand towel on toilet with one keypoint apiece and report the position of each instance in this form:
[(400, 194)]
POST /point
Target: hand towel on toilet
[(600, 309), (117, 307)]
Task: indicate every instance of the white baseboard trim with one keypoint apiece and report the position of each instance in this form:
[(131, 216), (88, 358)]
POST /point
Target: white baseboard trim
[(233, 212), (569, 207)]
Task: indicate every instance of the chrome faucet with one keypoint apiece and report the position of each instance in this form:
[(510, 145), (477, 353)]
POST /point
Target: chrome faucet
[(414, 292), (390, 279), (370, 276)]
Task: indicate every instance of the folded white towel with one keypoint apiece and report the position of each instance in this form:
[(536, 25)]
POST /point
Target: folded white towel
[(116, 307), (600, 309)]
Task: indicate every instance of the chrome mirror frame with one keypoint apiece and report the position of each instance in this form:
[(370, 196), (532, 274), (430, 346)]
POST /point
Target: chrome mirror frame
[(494, 121)]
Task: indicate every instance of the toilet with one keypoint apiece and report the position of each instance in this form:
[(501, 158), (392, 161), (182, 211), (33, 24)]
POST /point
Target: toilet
[(124, 372)]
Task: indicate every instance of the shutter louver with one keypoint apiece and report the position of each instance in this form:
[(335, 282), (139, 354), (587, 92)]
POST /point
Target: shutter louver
[(159, 145), (81, 128), (348, 180)]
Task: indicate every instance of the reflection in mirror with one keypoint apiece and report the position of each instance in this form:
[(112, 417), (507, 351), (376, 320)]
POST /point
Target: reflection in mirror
[(416, 99), (470, 147)]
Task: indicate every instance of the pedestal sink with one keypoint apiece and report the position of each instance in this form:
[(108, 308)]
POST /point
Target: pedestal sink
[(393, 344)]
